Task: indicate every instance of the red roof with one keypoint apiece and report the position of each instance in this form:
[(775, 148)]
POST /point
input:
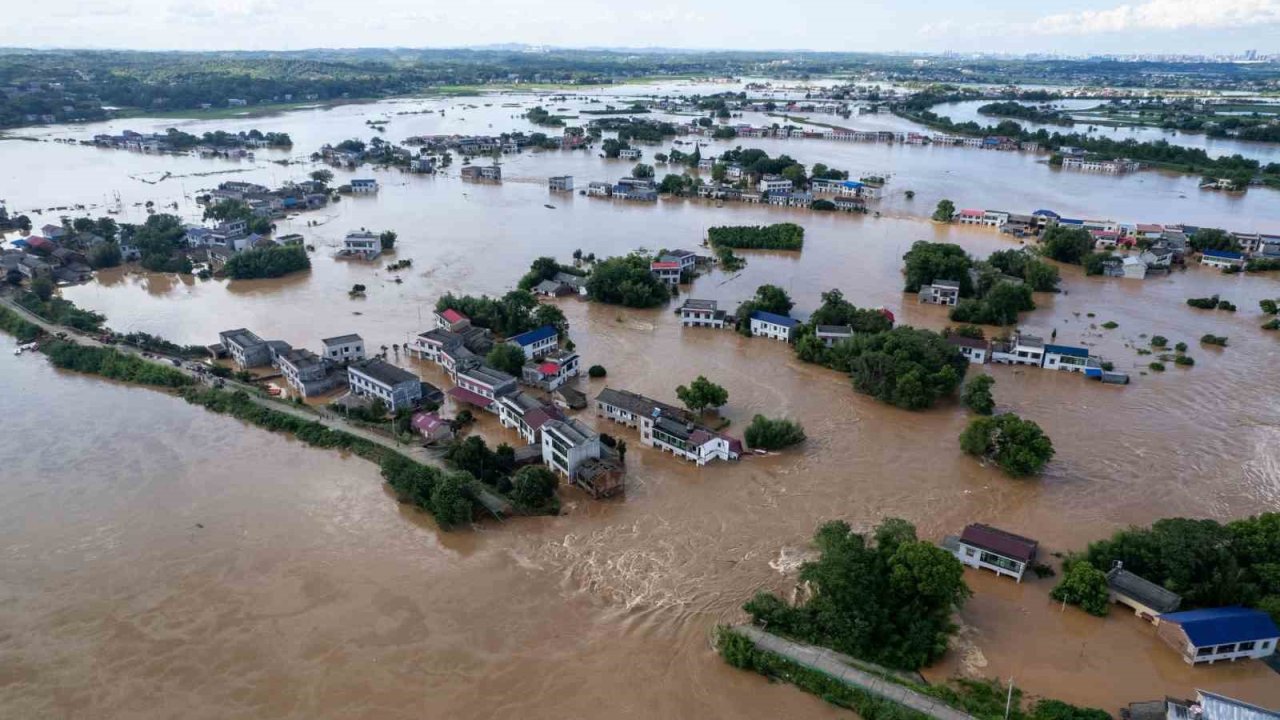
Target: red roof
[(889, 314), (661, 265), (427, 423), (464, 395), (972, 213), (1000, 542), (36, 241), (549, 368), (453, 316)]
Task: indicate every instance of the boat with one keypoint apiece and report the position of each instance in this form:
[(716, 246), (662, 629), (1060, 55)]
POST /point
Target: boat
[(549, 207)]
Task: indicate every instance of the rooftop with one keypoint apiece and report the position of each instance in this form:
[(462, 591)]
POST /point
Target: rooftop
[(570, 431), (383, 372), (342, 339), (834, 330), (1000, 541), (525, 339), (967, 341), (636, 403), (241, 337), (452, 316), (774, 319), (1144, 591), (1067, 350), (1224, 254), (694, 304), (486, 375), (1216, 626)]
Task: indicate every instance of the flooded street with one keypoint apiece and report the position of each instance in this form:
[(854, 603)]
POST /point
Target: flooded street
[(159, 560)]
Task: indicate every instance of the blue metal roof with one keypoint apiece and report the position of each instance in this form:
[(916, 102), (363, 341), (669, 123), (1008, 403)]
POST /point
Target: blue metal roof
[(535, 335), (1225, 254), (1070, 221), (1067, 350), (1046, 213), (1218, 626), (775, 319)]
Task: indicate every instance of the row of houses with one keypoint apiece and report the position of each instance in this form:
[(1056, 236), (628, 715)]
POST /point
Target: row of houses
[(58, 260), (627, 188), (666, 427), (235, 146), (994, 142), (1032, 351), (1204, 636), (482, 173)]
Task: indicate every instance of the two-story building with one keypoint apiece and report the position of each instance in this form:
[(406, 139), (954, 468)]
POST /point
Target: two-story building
[(396, 387), (245, 348), (361, 186), (1066, 357), (668, 271), (1223, 259), (772, 325), (344, 348), (1023, 349), (701, 313), (560, 183), (566, 445), (941, 292), (774, 184), (452, 320), (666, 427), (986, 547), (975, 349), (552, 370), (536, 342), (430, 344), (525, 414), (307, 373), (832, 334), (362, 243), (482, 386)]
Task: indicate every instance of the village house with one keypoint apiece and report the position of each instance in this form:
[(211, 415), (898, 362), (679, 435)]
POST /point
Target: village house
[(552, 371), (569, 398), (975, 349), (430, 344), (432, 427), (666, 427), (245, 348), (560, 183), (1157, 257), (832, 334), (1205, 706), (308, 373), (487, 173), (1147, 600), (525, 414), (1223, 259), (343, 348), (1114, 167), (629, 154), (1065, 357), (1021, 350), (668, 271), (537, 342), (994, 218), (969, 217), (566, 444), (1132, 268), (1018, 225), (362, 243), (451, 320), (848, 204), (482, 386), (941, 292), (424, 164), (599, 189), (364, 185), (701, 313), (774, 184), (457, 359), (1212, 635), (983, 546), (396, 387), (771, 325), (688, 259)]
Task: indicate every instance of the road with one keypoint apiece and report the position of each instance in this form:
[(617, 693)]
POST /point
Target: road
[(492, 502), (840, 667)]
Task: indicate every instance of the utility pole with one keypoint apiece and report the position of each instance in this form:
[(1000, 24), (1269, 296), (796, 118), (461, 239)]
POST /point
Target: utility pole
[(1009, 700)]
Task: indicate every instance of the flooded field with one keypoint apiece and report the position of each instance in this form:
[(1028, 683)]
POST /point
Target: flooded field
[(159, 560)]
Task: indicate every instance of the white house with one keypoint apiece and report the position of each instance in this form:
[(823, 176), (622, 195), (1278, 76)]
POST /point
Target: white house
[(553, 370), (481, 386), (986, 547), (430, 344), (560, 183), (666, 427), (629, 154), (701, 313), (975, 349), (344, 348), (525, 414), (536, 342), (832, 334), (362, 243), (566, 444), (394, 386), (668, 271), (1022, 350), (770, 325), (364, 185), (941, 292), (1222, 259), (1212, 635), (1065, 357), (1132, 268), (774, 184)]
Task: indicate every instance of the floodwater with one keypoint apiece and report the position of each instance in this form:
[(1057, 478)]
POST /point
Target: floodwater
[(159, 560)]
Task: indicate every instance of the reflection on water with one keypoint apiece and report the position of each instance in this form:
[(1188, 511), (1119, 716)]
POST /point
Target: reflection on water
[(161, 560)]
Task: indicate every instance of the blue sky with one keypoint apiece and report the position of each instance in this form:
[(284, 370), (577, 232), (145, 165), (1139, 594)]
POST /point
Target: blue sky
[(1069, 26)]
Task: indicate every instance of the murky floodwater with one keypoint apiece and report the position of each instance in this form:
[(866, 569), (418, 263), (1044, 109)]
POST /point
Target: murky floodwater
[(159, 560)]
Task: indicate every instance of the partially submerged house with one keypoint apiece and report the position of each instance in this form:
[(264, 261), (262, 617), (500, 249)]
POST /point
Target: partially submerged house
[(976, 350), (772, 325), (701, 313), (1002, 552), (1148, 600), (536, 342), (667, 427), (941, 292), (1212, 635), (374, 378)]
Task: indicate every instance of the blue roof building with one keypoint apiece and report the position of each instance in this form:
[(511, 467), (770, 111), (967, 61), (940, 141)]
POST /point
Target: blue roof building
[(1224, 254), (537, 342), (1066, 357), (771, 325), (1212, 634)]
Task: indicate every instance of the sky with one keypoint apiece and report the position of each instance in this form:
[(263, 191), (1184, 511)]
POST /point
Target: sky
[(1013, 26)]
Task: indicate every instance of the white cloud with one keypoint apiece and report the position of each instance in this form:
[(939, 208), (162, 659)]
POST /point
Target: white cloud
[(1160, 15)]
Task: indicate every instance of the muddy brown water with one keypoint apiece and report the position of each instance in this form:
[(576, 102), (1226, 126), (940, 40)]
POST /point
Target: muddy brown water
[(162, 561)]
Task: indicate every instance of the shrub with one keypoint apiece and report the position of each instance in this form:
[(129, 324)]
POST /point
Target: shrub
[(1156, 367), (1159, 341), (779, 236), (1086, 586), (905, 366), (1018, 446), (1186, 360), (773, 434), (597, 371), (1180, 347), (267, 262), (1209, 339), (1111, 324), (976, 395)]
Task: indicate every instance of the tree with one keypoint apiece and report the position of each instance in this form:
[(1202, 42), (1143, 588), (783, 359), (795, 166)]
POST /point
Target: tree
[(642, 171), (551, 315), (105, 255), (450, 502), (773, 434), (322, 176), (887, 599), (702, 394), (271, 261), (977, 395), (927, 262), (1213, 239), (388, 239), (718, 172), (533, 487), (507, 358), (1086, 586), (1018, 446), (596, 371), (945, 210), (1068, 245), (626, 281), (906, 367), (772, 299), (42, 287)]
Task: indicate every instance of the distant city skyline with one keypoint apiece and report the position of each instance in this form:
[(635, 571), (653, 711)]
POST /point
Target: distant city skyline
[(1071, 27)]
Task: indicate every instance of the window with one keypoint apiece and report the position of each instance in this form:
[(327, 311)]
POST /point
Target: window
[(1231, 647), (1244, 646), (1204, 651)]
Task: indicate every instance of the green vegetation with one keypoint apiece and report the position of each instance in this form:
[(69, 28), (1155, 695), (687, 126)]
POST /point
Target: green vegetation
[(904, 366), (1110, 325), (768, 298), (59, 311), (154, 344), (546, 268), (1086, 586), (1209, 339), (944, 212), (999, 306), (887, 598), (1268, 306), (926, 263), (516, 312), (1262, 265), (233, 210), (597, 371), (1040, 275), (539, 116), (1018, 446), (702, 394), (111, 363), (491, 467), (1213, 239), (779, 236), (1272, 324), (1067, 245), (271, 261), (533, 489), (17, 326), (773, 434), (1184, 360), (387, 239), (507, 358), (1210, 303), (1156, 366), (1159, 341), (1012, 109), (626, 281), (160, 242), (1209, 564), (977, 395)]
